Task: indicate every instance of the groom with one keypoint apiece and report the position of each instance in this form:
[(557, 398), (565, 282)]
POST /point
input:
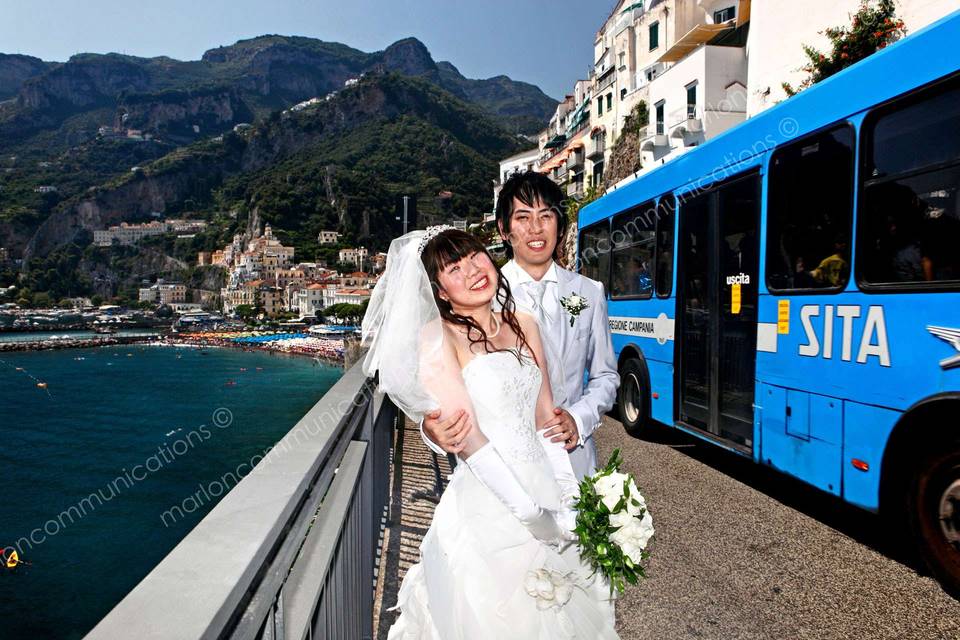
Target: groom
[(532, 224)]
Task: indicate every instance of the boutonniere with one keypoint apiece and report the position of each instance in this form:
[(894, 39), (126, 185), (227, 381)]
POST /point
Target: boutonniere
[(574, 304)]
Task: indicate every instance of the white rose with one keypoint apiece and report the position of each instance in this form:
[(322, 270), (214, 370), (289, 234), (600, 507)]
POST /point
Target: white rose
[(643, 530), (621, 519), (610, 488), (633, 552), (635, 509)]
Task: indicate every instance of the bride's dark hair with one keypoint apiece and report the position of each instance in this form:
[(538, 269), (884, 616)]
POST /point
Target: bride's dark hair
[(452, 246)]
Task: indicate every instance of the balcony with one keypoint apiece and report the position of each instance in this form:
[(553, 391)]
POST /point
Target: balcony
[(649, 74), (575, 187), (575, 160), (685, 121), (604, 80), (650, 140), (628, 17), (598, 147)]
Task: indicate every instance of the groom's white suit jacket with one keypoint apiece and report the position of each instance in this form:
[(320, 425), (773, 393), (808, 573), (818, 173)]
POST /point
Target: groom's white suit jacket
[(589, 368)]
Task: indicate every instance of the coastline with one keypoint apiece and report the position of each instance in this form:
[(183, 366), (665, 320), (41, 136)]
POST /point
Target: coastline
[(327, 350), (330, 351)]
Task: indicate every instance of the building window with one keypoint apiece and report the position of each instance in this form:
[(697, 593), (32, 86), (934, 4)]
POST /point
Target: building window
[(609, 101), (600, 106), (810, 211), (621, 56), (654, 35), (658, 109), (623, 93), (633, 241), (692, 100), (909, 220), (724, 14), (598, 172)]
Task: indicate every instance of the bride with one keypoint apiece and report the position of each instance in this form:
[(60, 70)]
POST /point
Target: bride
[(498, 561)]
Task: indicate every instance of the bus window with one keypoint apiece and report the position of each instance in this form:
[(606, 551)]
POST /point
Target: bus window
[(595, 252), (665, 224), (633, 241), (809, 212), (909, 227)]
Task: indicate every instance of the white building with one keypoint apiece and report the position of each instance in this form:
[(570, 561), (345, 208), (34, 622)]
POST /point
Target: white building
[(309, 300), (518, 163), (128, 233), (333, 296), (702, 94), (164, 293), (328, 237), (778, 31), (353, 256)]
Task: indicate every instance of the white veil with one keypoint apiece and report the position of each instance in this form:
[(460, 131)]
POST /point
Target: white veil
[(403, 329), (404, 333)]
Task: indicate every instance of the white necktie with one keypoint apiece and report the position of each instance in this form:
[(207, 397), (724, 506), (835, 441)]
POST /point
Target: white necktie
[(537, 289)]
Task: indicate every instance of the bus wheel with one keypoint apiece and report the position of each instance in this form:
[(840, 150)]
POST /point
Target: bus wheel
[(934, 505), (632, 397)]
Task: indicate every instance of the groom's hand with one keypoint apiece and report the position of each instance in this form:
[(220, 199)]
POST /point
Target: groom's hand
[(562, 428), (450, 433)]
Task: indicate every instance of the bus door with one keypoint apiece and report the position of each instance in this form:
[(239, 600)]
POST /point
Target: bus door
[(717, 310)]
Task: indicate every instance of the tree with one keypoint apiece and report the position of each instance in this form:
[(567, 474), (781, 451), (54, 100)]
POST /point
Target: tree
[(164, 311), (245, 312), (871, 28), (41, 299)]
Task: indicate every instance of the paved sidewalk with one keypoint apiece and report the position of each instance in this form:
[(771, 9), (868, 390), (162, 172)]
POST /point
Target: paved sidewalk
[(413, 491)]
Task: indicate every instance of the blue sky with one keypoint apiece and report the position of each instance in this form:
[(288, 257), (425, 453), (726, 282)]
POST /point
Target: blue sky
[(546, 42)]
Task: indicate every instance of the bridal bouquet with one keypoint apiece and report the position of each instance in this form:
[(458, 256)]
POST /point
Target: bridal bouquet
[(613, 525)]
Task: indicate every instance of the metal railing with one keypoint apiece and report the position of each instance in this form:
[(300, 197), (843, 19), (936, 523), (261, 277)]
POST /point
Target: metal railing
[(289, 552)]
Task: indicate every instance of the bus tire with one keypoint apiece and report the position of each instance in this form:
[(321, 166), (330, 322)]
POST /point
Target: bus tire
[(933, 503), (633, 397)]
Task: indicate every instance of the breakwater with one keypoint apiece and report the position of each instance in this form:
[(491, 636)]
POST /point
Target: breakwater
[(71, 343)]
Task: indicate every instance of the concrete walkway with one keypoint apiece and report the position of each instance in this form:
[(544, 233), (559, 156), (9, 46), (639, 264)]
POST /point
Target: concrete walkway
[(413, 496)]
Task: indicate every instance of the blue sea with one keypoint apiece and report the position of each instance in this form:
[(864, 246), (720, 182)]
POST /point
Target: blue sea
[(166, 420)]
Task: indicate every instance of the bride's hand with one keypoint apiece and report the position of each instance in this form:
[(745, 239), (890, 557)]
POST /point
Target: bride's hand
[(553, 527), (449, 433)]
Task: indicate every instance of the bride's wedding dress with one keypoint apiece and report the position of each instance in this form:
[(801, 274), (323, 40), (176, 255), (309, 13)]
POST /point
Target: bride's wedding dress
[(482, 575)]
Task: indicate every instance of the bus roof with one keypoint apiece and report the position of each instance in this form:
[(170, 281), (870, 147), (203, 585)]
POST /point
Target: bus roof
[(918, 59)]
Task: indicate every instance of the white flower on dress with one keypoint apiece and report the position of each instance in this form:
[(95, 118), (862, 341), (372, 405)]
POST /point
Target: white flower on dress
[(574, 304), (549, 588)]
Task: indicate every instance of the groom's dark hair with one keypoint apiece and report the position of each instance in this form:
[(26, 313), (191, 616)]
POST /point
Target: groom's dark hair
[(528, 187)]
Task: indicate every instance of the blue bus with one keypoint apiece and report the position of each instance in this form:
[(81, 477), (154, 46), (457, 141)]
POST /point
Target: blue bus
[(790, 290)]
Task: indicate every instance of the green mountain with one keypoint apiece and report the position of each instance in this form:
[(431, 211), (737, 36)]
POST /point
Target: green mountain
[(339, 163), (188, 100), (119, 138)]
